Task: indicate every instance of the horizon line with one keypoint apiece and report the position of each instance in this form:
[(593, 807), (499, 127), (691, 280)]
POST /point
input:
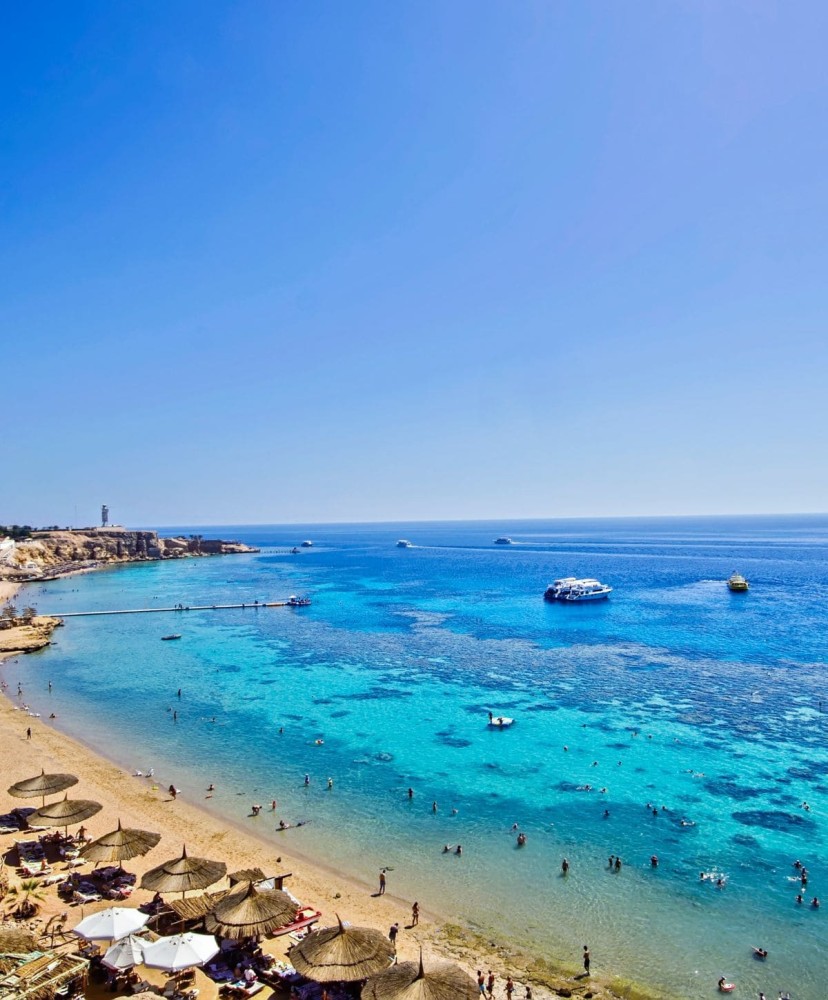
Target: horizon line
[(489, 520)]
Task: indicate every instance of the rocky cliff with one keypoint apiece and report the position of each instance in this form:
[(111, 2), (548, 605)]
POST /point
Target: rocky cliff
[(28, 638), (51, 553)]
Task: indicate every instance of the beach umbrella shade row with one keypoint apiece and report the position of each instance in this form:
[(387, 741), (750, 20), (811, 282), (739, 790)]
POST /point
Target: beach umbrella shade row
[(120, 845), (184, 873), (248, 912), (342, 954), (111, 924), (180, 951), (411, 981), (42, 784), (125, 954), (67, 812)]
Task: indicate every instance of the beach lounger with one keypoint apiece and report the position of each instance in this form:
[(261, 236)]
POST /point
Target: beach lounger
[(53, 879), (85, 897), (306, 917)]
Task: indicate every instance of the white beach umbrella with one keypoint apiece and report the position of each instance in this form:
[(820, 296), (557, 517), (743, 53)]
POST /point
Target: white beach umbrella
[(125, 954), (111, 924), (180, 951)]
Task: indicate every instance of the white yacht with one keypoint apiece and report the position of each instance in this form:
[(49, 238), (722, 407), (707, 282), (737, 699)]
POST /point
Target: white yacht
[(559, 588), (404, 543), (588, 590)]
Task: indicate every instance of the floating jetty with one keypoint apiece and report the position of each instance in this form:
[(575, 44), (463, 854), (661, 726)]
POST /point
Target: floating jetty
[(179, 610)]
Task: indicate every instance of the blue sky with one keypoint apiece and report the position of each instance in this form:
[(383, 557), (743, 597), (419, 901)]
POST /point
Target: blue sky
[(273, 261)]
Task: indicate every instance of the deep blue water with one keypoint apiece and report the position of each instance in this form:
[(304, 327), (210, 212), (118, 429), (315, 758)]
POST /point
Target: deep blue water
[(675, 693)]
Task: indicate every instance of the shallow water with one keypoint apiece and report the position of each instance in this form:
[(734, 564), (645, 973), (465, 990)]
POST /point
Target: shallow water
[(395, 665)]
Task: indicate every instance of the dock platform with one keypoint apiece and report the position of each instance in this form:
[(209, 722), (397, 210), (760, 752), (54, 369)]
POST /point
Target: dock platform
[(180, 610)]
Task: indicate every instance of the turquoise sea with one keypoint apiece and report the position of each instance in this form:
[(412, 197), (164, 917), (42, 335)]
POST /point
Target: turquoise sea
[(674, 693)]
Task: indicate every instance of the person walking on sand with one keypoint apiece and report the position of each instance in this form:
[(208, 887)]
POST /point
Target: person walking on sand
[(490, 983), (393, 931), (29, 733), (481, 981), (510, 988), (586, 960), (528, 993), (415, 914), (382, 883)]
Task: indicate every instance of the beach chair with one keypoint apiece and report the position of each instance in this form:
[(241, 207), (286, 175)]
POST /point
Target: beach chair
[(81, 898)]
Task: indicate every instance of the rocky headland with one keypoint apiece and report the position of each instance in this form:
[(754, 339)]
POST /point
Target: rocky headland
[(48, 554), (26, 637)]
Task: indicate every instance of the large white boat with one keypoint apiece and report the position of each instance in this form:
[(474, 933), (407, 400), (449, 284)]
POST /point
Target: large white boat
[(571, 588), (404, 543), (737, 583), (559, 588), (588, 590)]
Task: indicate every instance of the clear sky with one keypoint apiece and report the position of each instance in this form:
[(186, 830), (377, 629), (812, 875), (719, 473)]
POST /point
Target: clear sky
[(271, 261)]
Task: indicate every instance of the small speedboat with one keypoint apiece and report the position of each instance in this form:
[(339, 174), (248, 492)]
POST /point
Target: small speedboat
[(404, 543), (307, 543), (169, 638), (503, 540), (298, 602)]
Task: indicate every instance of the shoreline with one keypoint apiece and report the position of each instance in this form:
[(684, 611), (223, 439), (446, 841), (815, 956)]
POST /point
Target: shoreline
[(136, 802), (331, 890)]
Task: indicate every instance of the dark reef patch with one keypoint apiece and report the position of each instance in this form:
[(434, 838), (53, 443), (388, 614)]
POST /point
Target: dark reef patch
[(772, 820), (729, 789), (745, 840), (452, 741)]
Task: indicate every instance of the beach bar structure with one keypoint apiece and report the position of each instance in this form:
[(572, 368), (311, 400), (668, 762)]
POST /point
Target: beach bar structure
[(42, 978)]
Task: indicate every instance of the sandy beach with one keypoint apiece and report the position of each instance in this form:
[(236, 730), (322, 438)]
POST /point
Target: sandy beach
[(7, 590), (138, 802)]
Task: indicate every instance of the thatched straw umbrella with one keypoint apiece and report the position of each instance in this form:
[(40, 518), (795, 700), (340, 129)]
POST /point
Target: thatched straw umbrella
[(120, 845), (410, 981), (184, 873), (67, 812), (248, 912), (14, 941), (42, 785), (342, 954)]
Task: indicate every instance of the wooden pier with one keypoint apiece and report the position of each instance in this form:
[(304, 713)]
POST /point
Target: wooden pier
[(179, 610)]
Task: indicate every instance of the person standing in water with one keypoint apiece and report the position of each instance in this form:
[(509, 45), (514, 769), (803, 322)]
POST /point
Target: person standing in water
[(586, 960)]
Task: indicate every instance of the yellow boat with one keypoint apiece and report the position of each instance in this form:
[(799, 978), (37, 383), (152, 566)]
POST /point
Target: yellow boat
[(737, 583)]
